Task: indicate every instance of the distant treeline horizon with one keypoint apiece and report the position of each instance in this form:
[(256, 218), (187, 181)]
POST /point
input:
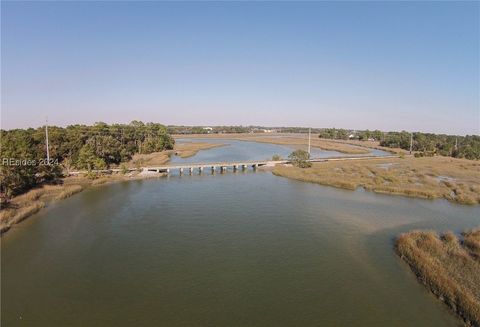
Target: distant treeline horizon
[(217, 129), (208, 129), (101, 146)]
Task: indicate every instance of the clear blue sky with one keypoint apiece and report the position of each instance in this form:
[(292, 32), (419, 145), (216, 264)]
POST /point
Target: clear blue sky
[(385, 65)]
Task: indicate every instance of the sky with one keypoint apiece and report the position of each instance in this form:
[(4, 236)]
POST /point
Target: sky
[(362, 65)]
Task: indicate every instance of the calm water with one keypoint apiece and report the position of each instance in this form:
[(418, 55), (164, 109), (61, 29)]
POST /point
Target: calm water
[(234, 249), (235, 150)]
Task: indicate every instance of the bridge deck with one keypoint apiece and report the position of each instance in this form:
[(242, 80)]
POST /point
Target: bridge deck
[(260, 162), (239, 164)]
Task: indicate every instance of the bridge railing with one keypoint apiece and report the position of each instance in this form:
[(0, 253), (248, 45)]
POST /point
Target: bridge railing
[(230, 164)]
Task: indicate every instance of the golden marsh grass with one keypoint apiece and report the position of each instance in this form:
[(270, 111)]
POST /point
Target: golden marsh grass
[(447, 267), (430, 177), (298, 141)]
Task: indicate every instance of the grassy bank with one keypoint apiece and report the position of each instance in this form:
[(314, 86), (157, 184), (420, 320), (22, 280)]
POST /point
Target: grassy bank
[(298, 141), (27, 204), (448, 267), (430, 177)]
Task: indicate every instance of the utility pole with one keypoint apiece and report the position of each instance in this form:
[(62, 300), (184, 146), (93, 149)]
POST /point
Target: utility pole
[(411, 142), (309, 130), (46, 140)]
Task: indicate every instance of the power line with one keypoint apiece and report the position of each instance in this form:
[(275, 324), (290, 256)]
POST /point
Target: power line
[(309, 130), (46, 140), (411, 142)]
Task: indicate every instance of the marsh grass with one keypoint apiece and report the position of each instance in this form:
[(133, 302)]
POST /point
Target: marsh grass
[(183, 150), (100, 181), (155, 158), (10, 216), (27, 204), (24, 212), (69, 191), (447, 266), (299, 141), (22, 206), (471, 240), (189, 149), (431, 177)]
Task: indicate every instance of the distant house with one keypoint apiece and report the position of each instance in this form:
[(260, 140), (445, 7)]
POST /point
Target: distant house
[(352, 136), (262, 130), (208, 129)]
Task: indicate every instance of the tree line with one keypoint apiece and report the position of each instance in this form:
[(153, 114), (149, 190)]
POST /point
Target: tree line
[(208, 130), (23, 151), (425, 144), (345, 134), (430, 144)]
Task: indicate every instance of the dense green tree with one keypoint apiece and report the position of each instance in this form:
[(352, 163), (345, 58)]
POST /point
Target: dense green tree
[(88, 159), (299, 158), (397, 140), (106, 147), (19, 162), (334, 133)]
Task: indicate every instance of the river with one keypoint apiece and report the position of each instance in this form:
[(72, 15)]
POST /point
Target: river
[(233, 249), (235, 150)]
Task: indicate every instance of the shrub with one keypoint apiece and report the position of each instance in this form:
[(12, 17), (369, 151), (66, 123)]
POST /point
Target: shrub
[(299, 158), (69, 191)]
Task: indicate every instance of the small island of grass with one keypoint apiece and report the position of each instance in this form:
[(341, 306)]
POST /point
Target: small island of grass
[(448, 266)]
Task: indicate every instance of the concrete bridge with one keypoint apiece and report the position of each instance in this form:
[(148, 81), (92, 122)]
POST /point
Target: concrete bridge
[(221, 166), (224, 166), (243, 165)]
